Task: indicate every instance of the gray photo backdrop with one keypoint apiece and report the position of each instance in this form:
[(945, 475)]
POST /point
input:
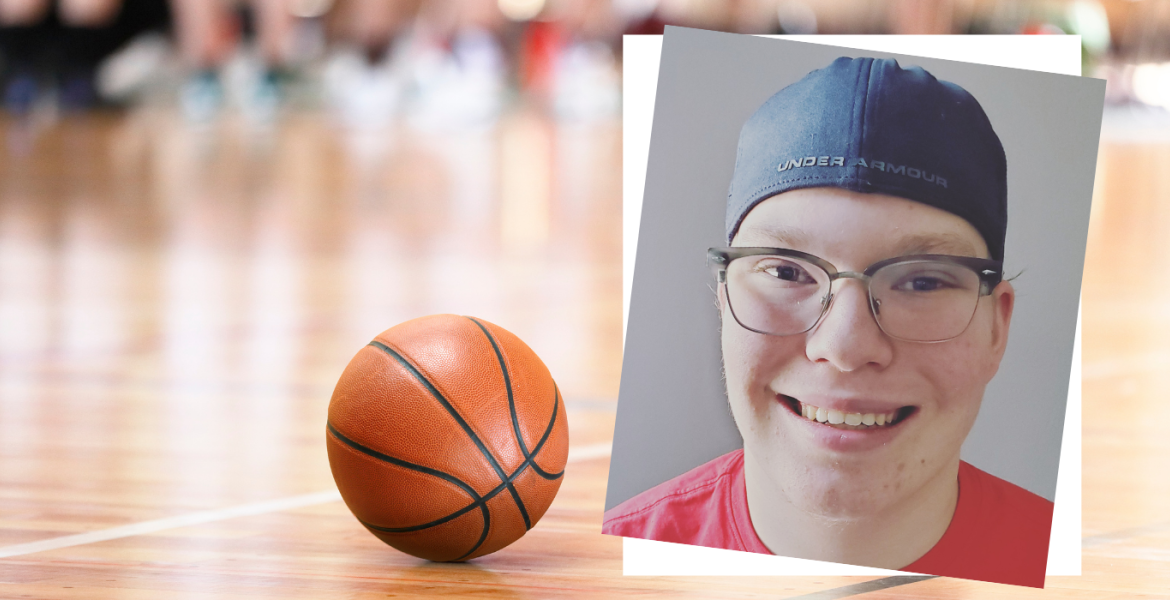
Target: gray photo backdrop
[(672, 410)]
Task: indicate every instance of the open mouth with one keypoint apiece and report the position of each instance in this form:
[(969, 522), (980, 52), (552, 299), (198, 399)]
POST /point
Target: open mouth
[(848, 421)]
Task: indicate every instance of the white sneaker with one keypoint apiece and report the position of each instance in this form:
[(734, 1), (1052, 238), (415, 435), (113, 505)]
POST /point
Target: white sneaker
[(253, 89), (362, 96), (201, 97), (461, 89), (586, 83), (129, 72)]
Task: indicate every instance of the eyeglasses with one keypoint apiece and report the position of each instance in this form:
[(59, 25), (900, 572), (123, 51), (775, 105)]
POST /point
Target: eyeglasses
[(918, 298)]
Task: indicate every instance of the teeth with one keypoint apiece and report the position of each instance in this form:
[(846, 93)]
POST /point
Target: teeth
[(836, 417)]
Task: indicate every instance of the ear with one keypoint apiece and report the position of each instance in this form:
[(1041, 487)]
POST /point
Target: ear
[(1003, 299)]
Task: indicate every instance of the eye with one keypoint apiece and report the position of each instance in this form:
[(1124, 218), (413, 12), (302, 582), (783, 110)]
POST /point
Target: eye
[(786, 271), (925, 282)]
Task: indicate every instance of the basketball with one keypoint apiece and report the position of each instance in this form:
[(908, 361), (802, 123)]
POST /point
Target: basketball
[(447, 437)]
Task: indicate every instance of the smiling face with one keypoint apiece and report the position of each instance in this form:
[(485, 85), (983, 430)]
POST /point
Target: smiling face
[(849, 368)]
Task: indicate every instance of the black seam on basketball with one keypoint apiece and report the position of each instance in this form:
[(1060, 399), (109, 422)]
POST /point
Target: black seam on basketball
[(520, 505), (459, 513), (544, 438), (435, 523), (515, 420), (507, 386), (401, 463), (446, 405), (480, 501), (487, 523)]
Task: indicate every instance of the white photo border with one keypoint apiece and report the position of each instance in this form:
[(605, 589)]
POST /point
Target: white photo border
[(1052, 54)]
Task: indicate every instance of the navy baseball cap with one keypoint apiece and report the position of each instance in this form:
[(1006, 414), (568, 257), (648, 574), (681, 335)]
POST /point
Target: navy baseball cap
[(868, 125)]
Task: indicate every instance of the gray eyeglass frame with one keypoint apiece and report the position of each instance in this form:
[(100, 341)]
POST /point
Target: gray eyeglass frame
[(990, 274)]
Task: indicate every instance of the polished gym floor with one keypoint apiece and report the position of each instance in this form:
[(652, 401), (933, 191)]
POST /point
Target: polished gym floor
[(177, 302)]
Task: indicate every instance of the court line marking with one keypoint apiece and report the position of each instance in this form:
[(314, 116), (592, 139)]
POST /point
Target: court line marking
[(195, 518), (576, 454), (888, 582), (863, 587)]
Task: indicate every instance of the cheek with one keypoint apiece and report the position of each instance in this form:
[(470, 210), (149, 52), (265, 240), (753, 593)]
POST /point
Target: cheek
[(751, 362), (957, 373), (740, 362)]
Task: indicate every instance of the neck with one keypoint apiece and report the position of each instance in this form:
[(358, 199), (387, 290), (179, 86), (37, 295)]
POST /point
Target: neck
[(889, 537)]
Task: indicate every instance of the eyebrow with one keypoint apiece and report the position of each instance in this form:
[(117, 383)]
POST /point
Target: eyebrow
[(784, 237), (918, 243), (935, 243)]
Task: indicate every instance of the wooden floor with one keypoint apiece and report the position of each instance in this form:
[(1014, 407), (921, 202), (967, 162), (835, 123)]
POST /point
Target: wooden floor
[(177, 303)]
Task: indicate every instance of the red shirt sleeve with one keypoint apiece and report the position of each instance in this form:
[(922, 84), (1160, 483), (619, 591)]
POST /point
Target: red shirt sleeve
[(706, 506)]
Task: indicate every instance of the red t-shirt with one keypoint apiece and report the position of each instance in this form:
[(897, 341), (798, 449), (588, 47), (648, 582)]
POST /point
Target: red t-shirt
[(999, 531)]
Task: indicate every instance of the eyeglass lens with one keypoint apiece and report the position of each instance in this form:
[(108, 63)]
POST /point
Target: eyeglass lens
[(916, 300)]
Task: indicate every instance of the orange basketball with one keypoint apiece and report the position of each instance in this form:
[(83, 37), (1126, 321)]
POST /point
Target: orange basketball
[(447, 437)]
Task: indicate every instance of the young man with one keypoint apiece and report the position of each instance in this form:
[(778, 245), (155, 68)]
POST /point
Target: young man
[(864, 312)]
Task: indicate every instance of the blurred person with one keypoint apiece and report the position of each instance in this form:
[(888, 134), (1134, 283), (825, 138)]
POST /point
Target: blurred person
[(736, 16), (733, 16), (209, 35), (61, 42), (364, 79), (925, 17), (372, 25), (586, 19), (570, 55), (459, 69), (441, 63), (743, 16), (753, 16)]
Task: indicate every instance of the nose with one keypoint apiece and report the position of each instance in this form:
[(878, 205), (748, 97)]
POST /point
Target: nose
[(848, 336)]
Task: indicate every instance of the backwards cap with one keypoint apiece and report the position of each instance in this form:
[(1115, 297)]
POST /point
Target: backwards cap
[(868, 125)]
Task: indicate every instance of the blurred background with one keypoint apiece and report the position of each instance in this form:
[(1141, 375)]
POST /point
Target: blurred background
[(208, 206), (206, 193), (460, 63)]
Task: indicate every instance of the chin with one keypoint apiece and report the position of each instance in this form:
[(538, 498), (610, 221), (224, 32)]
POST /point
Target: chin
[(834, 492), (826, 486)]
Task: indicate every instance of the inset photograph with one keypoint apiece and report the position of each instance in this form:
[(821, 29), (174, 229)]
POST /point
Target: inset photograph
[(854, 306)]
